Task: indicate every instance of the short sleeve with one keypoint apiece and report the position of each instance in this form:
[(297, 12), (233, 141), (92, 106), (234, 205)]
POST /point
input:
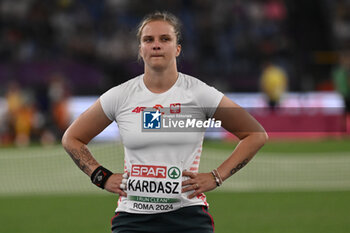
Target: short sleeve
[(109, 102), (208, 98)]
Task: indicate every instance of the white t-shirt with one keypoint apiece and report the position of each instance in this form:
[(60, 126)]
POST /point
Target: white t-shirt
[(155, 160)]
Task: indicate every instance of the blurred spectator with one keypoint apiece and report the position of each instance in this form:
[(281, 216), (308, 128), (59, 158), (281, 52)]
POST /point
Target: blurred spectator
[(273, 83), (29, 119), (24, 122), (14, 99), (21, 113), (59, 93), (341, 22), (14, 102), (341, 78)]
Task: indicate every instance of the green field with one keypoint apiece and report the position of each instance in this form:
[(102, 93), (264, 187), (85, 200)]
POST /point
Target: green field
[(289, 212), (290, 187)]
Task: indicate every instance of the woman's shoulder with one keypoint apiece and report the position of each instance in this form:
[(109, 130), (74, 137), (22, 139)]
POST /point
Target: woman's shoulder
[(200, 90), (131, 82), (122, 92), (191, 82), (128, 86)]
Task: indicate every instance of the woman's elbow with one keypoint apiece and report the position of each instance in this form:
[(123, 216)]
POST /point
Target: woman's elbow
[(68, 138), (73, 137), (65, 139), (262, 138)]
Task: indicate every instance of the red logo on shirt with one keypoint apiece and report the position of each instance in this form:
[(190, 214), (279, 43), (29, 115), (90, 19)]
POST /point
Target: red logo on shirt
[(175, 108), (138, 109), (148, 171), (158, 106)]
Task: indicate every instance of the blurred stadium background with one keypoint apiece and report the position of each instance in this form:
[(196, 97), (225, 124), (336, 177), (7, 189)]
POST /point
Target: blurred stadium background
[(286, 61)]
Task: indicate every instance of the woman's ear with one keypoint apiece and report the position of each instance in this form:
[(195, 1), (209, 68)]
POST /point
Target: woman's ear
[(178, 50), (139, 56)]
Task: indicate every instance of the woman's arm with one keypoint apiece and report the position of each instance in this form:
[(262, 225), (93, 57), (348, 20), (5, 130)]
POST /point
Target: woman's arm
[(89, 124), (251, 134), (79, 134), (252, 137)]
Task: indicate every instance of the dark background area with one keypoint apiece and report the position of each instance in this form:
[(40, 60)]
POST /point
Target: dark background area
[(92, 44)]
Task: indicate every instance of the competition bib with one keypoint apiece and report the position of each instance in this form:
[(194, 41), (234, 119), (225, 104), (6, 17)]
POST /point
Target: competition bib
[(154, 188)]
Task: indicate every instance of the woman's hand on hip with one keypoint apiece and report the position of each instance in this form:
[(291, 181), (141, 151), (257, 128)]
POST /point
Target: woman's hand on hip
[(115, 184), (198, 182)]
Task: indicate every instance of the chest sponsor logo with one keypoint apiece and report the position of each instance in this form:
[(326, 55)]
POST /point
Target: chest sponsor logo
[(158, 107), (138, 109), (141, 109), (149, 171)]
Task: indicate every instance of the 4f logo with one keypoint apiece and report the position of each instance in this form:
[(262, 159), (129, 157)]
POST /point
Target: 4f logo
[(138, 109), (151, 119)]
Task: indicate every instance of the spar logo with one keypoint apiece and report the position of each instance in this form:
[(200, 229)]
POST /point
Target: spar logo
[(148, 171), (152, 171), (152, 119)]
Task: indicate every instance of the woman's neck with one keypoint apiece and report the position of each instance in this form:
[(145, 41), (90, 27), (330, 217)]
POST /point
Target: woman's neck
[(160, 81)]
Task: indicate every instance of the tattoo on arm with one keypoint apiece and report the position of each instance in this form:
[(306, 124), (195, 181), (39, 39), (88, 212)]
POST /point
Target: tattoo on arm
[(82, 158), (239, 166)]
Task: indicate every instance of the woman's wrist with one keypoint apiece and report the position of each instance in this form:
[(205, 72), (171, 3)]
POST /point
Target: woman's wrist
[(217, 177)]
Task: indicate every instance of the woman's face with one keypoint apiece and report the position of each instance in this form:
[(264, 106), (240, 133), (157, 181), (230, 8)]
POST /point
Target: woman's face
[(158, 46)]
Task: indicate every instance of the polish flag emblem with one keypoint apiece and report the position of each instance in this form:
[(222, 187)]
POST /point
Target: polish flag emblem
[(175, 108)]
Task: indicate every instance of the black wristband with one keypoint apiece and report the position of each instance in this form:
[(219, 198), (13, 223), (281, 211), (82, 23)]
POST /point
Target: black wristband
[(100, 176)]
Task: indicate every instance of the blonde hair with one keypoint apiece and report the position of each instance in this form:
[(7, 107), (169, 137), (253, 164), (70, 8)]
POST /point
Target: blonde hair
[(162, 16)]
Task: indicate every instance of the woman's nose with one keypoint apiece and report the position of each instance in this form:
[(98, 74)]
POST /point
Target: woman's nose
[(156, 45)]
